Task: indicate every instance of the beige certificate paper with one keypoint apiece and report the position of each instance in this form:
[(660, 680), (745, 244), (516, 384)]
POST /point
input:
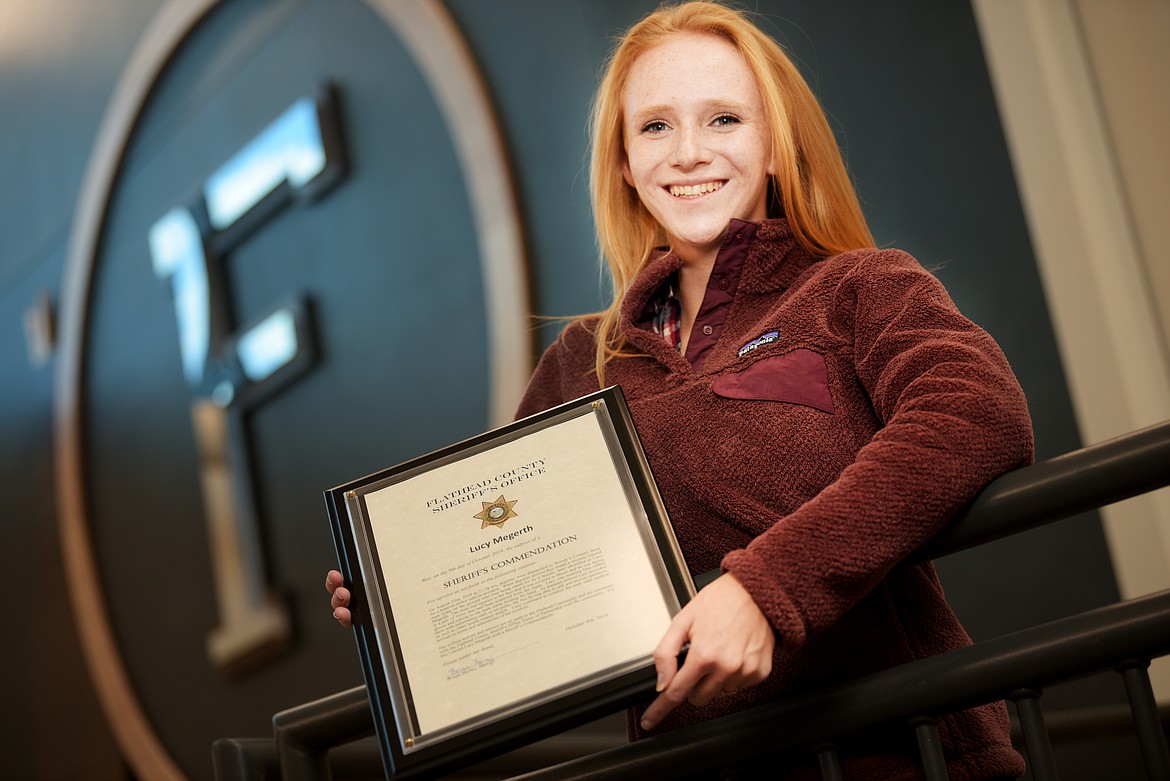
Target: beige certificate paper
[(514, 572)]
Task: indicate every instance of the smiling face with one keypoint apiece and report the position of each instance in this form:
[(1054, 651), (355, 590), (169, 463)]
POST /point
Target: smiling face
[(696, 141)]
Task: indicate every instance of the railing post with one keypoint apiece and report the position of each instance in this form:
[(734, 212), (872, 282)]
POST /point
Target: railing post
[(244, 759), (305, 734), (1145, 716), (1040, 759), (830, 761), (934, 764)]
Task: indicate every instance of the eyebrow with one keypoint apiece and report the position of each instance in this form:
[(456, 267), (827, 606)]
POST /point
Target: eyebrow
[(649, 112)]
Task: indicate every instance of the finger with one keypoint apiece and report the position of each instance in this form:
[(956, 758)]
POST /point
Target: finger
[(733, 684), (758, 670), (679, 689), (333, 579), (754, 670), (663, 704), (707, 689), (668, 649), (708, 672), (751, 671), (343, 617), (340, 598)]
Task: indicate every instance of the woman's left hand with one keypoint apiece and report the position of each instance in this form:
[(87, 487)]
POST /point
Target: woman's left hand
[(339, 601), (731, 644)]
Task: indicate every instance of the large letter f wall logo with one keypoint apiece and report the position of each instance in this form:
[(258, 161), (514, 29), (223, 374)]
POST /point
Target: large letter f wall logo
[(231, 370)]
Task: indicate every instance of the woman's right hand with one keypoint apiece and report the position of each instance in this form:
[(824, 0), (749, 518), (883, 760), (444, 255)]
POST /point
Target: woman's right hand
[(731, 644), (340, 601)]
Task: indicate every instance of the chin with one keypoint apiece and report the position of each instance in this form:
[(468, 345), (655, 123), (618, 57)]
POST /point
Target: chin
[(711, 235)]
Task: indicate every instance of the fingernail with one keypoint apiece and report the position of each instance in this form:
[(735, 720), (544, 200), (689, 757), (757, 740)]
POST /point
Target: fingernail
[(335, 614), (658, 687), (646, 725)]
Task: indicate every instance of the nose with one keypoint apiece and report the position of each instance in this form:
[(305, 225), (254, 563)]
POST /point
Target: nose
[(688, 150)]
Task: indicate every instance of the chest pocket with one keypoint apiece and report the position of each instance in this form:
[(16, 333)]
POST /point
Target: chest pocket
[(796, 377)]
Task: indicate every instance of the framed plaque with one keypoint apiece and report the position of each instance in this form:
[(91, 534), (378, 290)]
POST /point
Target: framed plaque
[(510, 586)]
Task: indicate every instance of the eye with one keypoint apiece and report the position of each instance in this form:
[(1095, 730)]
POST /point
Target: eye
[(725, 120), (657, 126)]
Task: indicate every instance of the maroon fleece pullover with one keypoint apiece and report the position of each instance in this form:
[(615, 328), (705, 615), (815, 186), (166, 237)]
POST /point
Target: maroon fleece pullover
[(845, 414)]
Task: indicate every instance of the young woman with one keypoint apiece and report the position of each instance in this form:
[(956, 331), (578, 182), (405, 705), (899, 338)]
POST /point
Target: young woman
[(813, 409)]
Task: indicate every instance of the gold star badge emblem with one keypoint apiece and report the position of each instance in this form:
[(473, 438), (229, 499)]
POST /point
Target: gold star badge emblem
[(495, 513)]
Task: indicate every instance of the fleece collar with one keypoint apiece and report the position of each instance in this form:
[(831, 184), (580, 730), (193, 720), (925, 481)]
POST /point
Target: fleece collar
[(774, 261)]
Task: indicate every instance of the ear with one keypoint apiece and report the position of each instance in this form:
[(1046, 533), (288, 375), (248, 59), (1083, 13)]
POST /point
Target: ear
[(626, 173)]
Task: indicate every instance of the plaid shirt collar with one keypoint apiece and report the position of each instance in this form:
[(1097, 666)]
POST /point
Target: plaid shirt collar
[(667, 316)]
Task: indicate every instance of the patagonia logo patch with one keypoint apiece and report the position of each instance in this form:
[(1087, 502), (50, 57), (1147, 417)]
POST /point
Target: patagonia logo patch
[(759, 342)]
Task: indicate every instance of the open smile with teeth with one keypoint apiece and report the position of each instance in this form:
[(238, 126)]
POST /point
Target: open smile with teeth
[(694, 190)]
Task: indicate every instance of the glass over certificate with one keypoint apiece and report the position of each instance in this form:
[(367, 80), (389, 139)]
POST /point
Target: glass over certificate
[(508, 586)]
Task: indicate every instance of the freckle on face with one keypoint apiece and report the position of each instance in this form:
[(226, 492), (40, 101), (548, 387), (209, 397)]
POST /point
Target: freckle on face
[(694, 121)]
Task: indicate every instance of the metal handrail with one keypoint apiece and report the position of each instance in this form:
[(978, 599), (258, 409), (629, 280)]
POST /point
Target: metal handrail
[(1059, 488), (1039, 494), (991, 670)]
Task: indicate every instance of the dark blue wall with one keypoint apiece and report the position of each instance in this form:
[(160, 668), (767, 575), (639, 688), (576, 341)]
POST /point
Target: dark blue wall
[(389, 260)]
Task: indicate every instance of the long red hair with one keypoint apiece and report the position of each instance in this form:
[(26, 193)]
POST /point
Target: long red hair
[(811, 185)]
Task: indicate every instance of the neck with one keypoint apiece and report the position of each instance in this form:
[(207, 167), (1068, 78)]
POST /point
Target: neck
[(692, 287)]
